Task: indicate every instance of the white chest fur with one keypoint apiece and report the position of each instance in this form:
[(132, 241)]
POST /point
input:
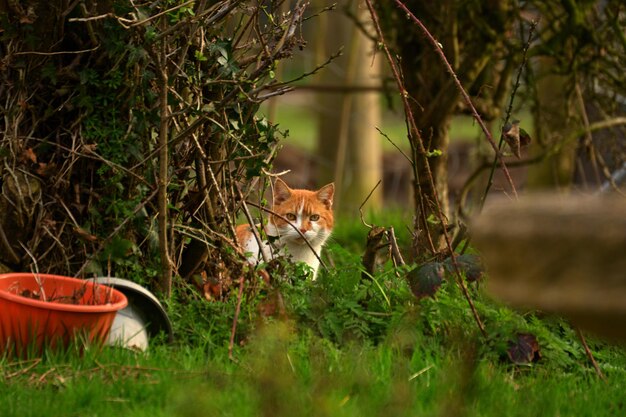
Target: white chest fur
[(296, 249)]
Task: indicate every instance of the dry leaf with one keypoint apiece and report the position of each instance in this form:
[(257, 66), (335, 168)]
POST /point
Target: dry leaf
[(524, 349), (28, 155)]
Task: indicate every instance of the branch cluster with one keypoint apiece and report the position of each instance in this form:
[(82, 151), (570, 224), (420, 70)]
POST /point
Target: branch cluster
[(95, 98)]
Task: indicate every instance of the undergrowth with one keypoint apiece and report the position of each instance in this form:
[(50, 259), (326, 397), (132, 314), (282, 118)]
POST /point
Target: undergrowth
[(341, 346), (344, 309)]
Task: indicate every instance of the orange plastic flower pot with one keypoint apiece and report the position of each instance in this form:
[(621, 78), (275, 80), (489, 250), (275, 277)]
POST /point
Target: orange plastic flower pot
[(53, 310)]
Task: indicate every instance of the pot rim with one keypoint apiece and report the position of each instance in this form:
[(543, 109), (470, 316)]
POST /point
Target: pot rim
[(77, 308)]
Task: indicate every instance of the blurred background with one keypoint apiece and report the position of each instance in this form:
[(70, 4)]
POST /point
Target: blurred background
[(553, 67)]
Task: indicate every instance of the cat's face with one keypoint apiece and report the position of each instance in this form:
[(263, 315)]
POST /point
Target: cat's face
[(308, 211)]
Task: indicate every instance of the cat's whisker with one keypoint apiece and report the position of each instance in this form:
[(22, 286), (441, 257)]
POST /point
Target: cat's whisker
[(301, 221)]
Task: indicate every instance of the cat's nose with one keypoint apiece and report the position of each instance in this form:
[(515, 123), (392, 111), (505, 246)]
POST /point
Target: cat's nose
[(303, 231)]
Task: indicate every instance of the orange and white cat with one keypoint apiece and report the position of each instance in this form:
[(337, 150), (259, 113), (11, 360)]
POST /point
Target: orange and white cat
[(294, 210)]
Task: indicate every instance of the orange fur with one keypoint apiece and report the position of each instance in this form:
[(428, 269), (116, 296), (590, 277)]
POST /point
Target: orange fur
[(296, 213)]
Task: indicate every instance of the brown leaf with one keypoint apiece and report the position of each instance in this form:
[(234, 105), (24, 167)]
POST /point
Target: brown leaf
[(28, 20), (273, 306), (28, 155), (426, 279), (510, 133), (46, 170), (85, 235), (90, 148), (524, 349), (212, 291)]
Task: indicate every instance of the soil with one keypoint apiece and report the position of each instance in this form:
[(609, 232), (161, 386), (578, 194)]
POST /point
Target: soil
[(76, 298)]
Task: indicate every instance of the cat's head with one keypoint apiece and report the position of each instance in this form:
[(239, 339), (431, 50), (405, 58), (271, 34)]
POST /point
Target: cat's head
[(308, 211)]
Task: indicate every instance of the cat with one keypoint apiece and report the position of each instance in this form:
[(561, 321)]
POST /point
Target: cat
[(308, 211)]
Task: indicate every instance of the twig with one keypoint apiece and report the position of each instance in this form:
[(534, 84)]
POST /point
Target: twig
[(509, 109), (263, 248), (395, 146), (166, 264), (83, 51), (231, 343), (22, 371), (7, 248), (590, 354), (365, 201), (415, 375), (115, 231), (411, 122), (396, 255), (265, 209), (35, 272), (339, 88), (306, 74), (466, 97)]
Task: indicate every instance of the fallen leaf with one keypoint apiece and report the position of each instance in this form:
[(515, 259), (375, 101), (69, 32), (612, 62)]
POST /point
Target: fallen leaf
[(524, 349)]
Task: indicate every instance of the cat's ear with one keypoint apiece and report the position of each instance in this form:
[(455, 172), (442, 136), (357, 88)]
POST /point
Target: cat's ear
[(282, 192), (326, 194)]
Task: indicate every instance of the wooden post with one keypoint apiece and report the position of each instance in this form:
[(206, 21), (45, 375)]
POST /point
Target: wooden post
[(560, 254)]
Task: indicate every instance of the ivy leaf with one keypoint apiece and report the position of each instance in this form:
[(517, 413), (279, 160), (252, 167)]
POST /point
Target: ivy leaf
[(426, 279), (468, 263), (118, 248)]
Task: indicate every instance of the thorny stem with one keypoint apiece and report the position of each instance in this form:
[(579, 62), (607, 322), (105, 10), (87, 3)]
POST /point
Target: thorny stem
[(412, 123), (466, 97), (509, 109)]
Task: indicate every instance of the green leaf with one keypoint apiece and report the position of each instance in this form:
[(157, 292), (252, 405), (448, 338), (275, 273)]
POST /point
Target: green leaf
[(200, 56), (469, 264), (119, 248), (426, 279), (432, 219)]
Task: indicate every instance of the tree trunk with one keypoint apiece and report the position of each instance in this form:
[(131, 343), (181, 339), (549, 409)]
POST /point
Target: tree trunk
[(555, 122), (348, 143)]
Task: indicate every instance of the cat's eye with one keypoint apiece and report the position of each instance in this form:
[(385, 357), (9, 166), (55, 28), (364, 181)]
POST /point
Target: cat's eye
[(314, 217), (291, 217)]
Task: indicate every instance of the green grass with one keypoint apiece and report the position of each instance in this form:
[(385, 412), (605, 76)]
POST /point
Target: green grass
[(300, 120), (348, 348), (278, 375)]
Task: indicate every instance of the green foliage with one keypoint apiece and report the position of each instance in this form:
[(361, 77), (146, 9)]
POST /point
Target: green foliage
[(86, 117), (331, 357)]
